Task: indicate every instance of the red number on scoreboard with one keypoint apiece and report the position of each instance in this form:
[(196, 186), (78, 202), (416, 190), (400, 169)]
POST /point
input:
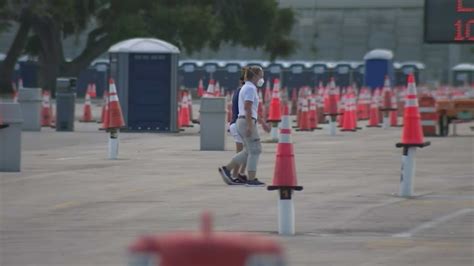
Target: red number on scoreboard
[(466, 34), (460, 7)]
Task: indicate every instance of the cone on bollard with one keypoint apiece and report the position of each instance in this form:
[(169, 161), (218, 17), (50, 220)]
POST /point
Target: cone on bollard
[(275, 104), (115, 120), (331, 106), (200, 89), (267, 93), (412, 138), (46, 110), (349, 123), (284, 179), (87, 110)]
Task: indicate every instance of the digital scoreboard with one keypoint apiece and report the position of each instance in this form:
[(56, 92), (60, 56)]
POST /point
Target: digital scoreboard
[(449, 21)]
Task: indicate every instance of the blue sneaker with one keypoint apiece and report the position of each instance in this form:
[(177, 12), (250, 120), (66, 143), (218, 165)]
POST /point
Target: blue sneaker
[(254, 183), (226, 176)]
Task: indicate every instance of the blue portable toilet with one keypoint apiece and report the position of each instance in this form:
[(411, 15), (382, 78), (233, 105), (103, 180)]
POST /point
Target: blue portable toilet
[(229, 75), (189, 73), (145, 73), (415, 68), (297, 76), (463, 74), (378, 64), (342, 74), (358, 70), (102, 67), (29, 70)]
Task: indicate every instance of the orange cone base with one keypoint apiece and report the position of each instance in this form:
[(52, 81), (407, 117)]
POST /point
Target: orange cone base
[(297, 188)]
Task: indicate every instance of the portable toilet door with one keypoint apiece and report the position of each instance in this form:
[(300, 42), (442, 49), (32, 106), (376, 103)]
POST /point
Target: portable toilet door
[(145, 73), (210, 69), (189, 74), (320, 74), (86, 77), (463, 74), (296, 76), (232, 76), (358, 75), (29, 73), (101, 78), (378, 64), (399, 77), (275, 71), (222, 75), (342, 74), (415, 68)]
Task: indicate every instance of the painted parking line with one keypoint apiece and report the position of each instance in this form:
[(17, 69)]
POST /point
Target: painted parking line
[(433, 223)]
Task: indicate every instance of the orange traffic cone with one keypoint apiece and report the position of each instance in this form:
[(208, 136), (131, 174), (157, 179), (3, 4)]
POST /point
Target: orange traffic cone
[(274, 113), (115, 111), (349, 123), (412, 133), (200, 89), (394, 114), (341, 108), (93, 91), (331, 106), (46, 110), (87, 110), (387, 106), (210, 89), (184, 115), (304, 117), (320, 104), (313, 112), (285, 171), (217, 89), (190, 106), (374, 111), (363, 104)]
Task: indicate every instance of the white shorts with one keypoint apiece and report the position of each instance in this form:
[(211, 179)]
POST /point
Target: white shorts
[(233, 132)]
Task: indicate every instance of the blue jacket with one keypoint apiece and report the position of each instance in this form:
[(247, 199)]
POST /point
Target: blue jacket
[(235, 106)]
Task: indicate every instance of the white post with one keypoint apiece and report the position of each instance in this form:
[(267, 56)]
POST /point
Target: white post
[(286, 217), (113, 144), (274, 132), (408, 170), (386, 121), (332, 126)]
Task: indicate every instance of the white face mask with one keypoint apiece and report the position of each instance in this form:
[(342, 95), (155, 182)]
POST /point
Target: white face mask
[(260, 82)]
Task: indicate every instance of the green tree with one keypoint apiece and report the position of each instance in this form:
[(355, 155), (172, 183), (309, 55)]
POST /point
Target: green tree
[(189, 24)]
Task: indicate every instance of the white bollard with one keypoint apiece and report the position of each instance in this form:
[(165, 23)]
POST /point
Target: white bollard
[(408, 170), (286, 217), (386, 122), (113, 144), (332, 127), (274, 132)]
